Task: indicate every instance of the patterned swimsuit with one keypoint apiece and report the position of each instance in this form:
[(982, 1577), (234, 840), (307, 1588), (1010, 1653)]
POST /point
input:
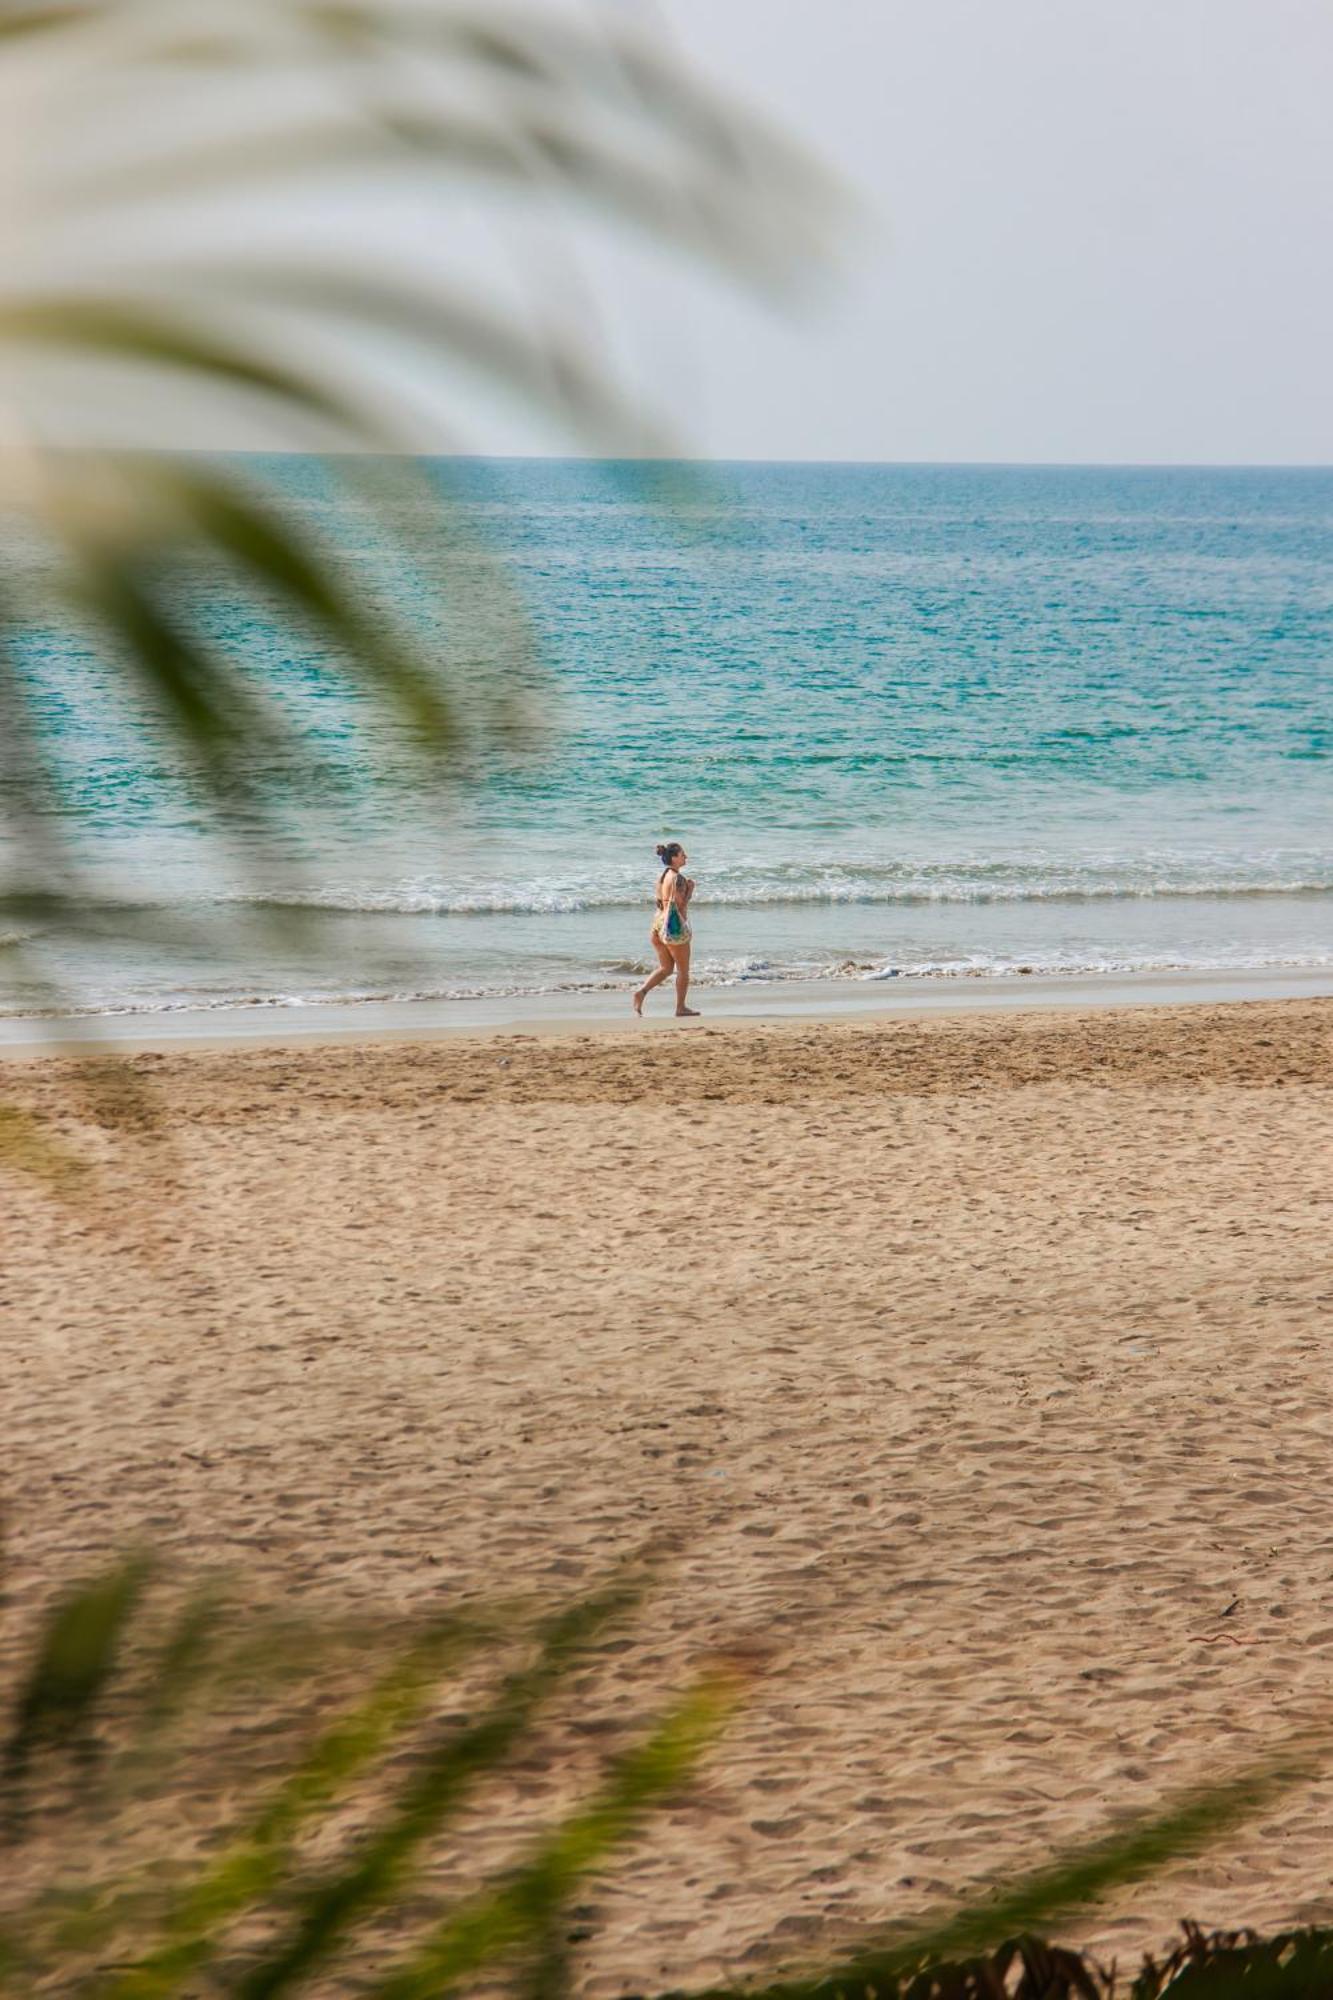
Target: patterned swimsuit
[(670, 925)]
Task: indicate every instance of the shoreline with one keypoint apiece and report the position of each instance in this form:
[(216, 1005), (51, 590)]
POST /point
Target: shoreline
[(337, 1023)]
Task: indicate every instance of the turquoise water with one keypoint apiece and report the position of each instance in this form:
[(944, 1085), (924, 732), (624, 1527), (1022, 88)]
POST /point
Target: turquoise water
[(939, 720)]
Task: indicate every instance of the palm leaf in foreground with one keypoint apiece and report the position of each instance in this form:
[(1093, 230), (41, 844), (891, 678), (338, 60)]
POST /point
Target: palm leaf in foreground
[(148, 333), (598, 110), (272, 553), (132, 113), (260, 1874), (125, 583), (515, 1923), (27, 1145), (76, 1659), (255, 1865), (30, 827), (1045, 1896), (1239, 1965), (436, 1790), (522, 1912)]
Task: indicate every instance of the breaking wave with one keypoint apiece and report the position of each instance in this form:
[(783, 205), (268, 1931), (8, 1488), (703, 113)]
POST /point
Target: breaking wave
[(889, 886)]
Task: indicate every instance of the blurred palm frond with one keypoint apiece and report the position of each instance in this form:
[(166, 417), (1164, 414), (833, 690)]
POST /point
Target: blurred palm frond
[(908, 1962), (336, 1845), (205, 211), (332, 1855)]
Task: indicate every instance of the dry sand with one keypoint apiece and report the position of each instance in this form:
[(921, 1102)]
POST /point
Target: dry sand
[(978, 1366)]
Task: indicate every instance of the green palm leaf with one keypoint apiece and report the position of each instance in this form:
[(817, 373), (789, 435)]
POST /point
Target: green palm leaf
[(437, 1789), (256, 1864), (1046, 1895), (156, 335), (74, 1665), (521, 1911), (273, 553)]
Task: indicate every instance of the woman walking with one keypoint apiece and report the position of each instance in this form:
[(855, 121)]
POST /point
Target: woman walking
[(670, 934)]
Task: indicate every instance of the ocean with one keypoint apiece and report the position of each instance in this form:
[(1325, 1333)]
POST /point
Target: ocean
[(934, 721)]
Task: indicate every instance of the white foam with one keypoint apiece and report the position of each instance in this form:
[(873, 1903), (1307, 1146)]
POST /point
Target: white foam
[(888, 887), (730, 973)]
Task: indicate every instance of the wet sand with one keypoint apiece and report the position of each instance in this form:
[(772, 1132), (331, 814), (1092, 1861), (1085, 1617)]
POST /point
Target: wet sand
[(834, 1002), (978, 1369)]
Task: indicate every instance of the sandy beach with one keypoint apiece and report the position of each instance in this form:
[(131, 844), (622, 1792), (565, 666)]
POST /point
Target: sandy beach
[(976, 1370)]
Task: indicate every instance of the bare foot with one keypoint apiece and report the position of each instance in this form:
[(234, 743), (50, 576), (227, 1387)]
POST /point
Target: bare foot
[(683, 1012), (638, 1003)]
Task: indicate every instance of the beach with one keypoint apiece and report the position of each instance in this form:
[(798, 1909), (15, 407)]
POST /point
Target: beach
[(970, 1372)]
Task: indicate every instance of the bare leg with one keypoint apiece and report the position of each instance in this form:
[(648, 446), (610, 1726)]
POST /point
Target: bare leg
[(682, 957), (664, 970)]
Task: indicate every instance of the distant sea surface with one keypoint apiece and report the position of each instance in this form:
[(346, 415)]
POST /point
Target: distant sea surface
[(942, 721)]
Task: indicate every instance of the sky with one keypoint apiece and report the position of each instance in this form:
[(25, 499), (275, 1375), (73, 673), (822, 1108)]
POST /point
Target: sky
[(1089, 231), (1076, 231)]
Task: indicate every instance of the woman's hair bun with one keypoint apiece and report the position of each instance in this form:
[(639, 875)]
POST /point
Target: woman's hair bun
[(664, 853)]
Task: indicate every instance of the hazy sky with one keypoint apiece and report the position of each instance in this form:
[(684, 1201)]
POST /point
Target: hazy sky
[(1089, 230), (1099, 230)]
